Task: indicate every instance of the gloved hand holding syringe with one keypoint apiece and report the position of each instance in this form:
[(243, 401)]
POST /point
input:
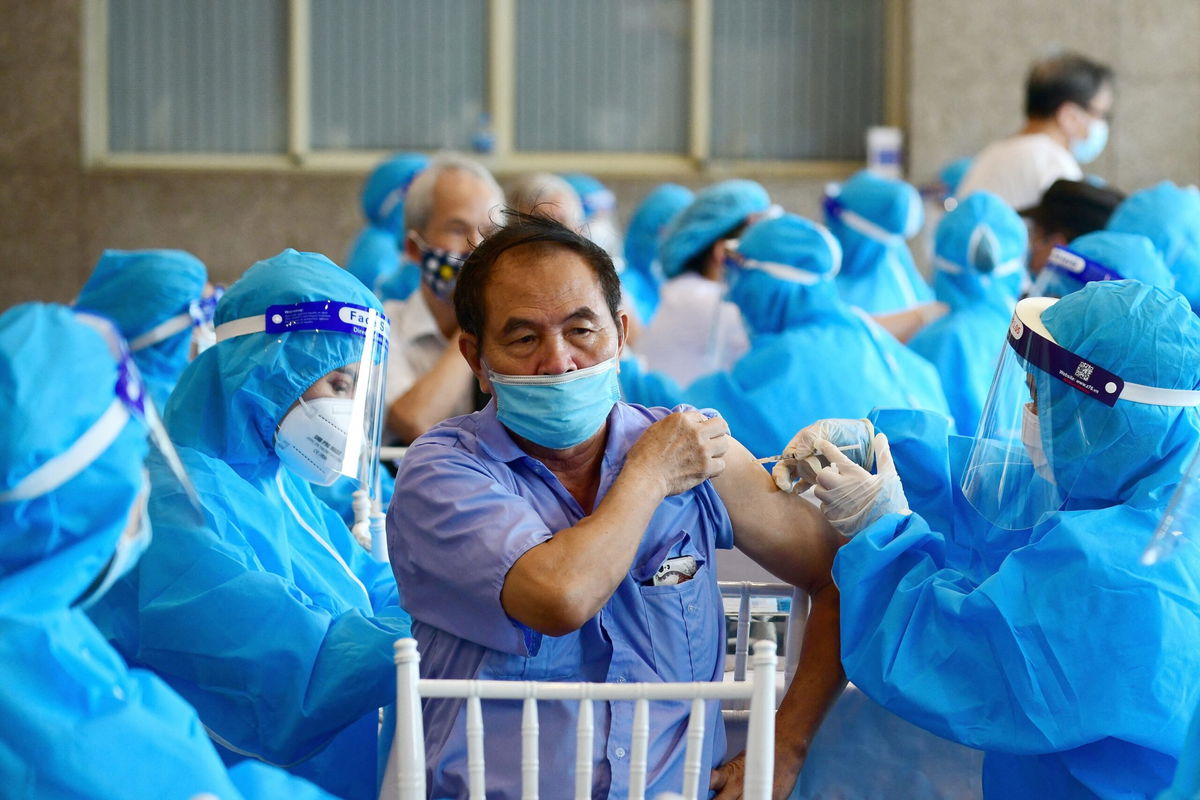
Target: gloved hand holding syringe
[(796, 467)]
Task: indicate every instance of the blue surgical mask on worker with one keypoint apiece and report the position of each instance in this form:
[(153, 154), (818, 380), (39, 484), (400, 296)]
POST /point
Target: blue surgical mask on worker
[(556, 411), (1089, 149), (439, 268)]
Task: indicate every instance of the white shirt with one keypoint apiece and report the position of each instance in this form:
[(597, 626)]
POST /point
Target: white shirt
[(1019, 169), (694, 332), (415, 345)]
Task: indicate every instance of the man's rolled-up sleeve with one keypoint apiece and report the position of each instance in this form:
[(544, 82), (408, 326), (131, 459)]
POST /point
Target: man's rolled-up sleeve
[(454, 531)]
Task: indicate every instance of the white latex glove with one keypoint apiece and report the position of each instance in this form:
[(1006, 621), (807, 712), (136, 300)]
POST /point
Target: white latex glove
[(852, 498), (796, 471)]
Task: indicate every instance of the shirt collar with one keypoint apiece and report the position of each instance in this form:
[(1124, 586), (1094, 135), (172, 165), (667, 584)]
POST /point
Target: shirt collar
[(417, 321)]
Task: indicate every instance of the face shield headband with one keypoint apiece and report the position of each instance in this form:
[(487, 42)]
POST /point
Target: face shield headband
[(198, 315), (363, 420), (130, 400), (860, 224), (1064, 262)]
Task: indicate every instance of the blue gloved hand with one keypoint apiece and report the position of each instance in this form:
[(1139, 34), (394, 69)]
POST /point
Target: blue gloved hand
[(852, 498), (796, 471)]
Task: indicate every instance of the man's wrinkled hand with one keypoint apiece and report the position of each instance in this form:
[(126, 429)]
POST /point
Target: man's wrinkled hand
[(681, 451)]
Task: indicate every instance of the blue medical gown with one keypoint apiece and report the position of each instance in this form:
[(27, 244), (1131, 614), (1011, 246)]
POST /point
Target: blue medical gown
[(878, 278), (77, 722), (963, 347), (257, 621), (1052, 649), (834, 364)]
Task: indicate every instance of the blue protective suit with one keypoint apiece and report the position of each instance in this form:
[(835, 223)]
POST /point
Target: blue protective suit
[(373, 257), (979, 267), (811, 356), (872, 217), (268, 618), (76, 720), (1053, 649), (139, 289), (1129, 255), (643, 274), (1170, 217)]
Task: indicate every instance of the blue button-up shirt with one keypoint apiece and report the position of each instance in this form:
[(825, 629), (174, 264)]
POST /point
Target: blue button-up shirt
[(468, 503)]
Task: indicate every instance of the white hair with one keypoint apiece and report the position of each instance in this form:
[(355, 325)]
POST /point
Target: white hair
[(418, 205), (535, 189)]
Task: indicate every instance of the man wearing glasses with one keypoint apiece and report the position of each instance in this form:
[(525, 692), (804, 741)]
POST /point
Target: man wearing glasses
[(1068, 100)]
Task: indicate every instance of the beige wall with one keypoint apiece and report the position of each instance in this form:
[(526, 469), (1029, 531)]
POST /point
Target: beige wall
[(965, 64)]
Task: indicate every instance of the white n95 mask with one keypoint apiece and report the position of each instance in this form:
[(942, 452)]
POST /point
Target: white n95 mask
[(311, 439), (1031, 437)]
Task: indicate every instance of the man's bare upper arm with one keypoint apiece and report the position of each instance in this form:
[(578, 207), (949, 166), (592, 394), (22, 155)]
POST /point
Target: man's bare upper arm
[(783, 533)]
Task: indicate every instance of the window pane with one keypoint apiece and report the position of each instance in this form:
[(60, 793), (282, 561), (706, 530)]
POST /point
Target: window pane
[(397, 74), (796, 79), (197, 77), (608, 76)]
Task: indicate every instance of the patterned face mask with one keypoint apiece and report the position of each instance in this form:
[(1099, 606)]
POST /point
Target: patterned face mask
[(439, 268)]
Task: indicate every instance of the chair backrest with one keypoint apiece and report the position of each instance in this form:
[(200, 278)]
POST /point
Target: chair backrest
[(406, 765), (743, 592)]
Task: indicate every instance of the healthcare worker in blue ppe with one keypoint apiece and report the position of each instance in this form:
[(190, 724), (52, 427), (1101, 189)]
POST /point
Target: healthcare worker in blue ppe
[(375, 257), (696, 331), (77, 721), (1007, 609), (643, 274), (1101, 256), (157, 300), (781, 274), (978, 271), (873, 217), (267, 616), (1169, 216)]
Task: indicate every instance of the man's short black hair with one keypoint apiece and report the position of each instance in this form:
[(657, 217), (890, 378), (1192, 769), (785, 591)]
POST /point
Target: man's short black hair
[(699, 262), (1065, 78), (521, 230), (1073, 208)]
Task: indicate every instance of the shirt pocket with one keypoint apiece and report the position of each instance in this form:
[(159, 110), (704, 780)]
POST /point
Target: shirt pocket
[(684, 624)]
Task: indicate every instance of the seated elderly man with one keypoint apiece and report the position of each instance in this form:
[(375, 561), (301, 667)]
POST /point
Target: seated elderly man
[(560, 534)]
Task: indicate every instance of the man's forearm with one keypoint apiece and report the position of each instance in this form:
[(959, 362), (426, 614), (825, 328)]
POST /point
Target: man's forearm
[(818, 682)]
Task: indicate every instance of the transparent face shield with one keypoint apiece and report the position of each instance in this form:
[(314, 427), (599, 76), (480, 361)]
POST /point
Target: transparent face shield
[(130, 400), (1044, 415), (1180, 526), (334, 428), (1067, 271)]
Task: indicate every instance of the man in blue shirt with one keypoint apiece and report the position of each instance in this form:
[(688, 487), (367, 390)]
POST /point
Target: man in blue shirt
[(560, 534)]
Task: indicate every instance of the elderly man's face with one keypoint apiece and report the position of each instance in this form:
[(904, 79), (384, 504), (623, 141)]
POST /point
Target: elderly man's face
[(544, 314), (460, 215)]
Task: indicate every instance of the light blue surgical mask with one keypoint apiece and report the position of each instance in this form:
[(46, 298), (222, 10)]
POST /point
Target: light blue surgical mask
[(557, 411), (1089, 149)]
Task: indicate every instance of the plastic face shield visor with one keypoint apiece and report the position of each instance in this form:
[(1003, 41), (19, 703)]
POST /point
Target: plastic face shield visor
[(1067, 271), (1040, 406), (352, 338), (1180, 526), (130, 400)]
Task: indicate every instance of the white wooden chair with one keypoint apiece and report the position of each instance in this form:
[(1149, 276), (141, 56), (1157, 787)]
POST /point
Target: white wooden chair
[(406, 765)]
